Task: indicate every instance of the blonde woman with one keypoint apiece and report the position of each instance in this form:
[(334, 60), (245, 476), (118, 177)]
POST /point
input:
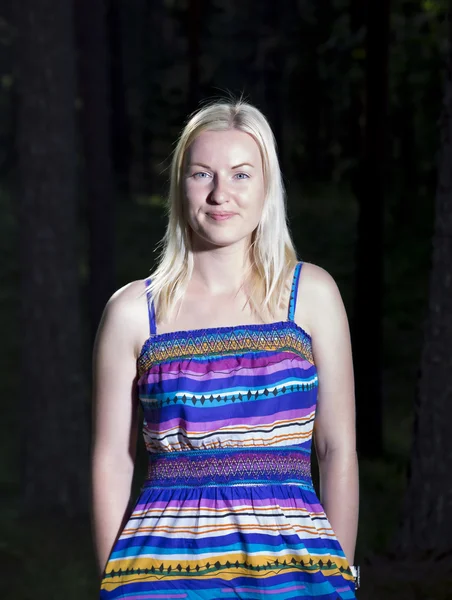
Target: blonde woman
[(238, 353)]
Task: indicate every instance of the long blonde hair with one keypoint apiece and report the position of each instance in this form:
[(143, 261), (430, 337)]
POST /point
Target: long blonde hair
[(272, 253)]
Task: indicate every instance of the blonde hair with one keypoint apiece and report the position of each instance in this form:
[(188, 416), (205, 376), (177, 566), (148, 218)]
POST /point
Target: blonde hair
[(272, 254)]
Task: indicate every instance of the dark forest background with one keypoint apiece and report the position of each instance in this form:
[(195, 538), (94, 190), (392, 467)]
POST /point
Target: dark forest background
[(93, 95)]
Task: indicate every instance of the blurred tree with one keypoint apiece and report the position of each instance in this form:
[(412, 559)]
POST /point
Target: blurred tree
[(273, 68), (91, 31), (158, 71), (7, 92), (119, 121), (426, 526), (354, 140), (318, 110), (193, 26), (370, 190), (402, 124), (53, 392)]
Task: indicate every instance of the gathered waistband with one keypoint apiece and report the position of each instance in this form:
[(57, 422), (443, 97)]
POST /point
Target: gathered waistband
[(229, 466)]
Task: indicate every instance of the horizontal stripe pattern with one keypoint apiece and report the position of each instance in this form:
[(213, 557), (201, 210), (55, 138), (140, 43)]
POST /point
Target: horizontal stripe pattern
[(225, 342), (228, 510), (230, 467)]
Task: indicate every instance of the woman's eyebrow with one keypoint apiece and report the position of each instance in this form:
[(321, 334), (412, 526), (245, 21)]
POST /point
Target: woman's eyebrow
[(199, 164), (245, 164)]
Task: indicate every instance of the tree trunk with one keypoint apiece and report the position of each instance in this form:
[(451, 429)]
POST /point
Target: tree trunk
[(99, 177), (354, 140), (119, 121), (151, 15), (311, 104), (273, 70), (426, 526), (404, 128), (315, 103), (52, 386), (193, 25), (370, 187)]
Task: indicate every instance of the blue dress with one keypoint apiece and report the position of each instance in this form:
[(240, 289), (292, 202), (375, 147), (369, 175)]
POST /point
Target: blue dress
[(228, 510)]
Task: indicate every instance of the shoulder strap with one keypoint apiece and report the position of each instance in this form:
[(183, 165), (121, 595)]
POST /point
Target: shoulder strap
[(294, 291), (151, 307)]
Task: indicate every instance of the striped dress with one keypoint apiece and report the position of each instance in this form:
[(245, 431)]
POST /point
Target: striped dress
[(228, 510)]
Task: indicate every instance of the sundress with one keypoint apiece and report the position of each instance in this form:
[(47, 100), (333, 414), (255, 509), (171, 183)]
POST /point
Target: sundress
[(228, 509)]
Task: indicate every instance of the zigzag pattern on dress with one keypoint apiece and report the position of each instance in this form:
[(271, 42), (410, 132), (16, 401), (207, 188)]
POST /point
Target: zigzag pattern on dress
[(228, 509)]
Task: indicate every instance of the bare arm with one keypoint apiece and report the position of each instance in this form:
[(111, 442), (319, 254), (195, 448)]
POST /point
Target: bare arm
[(334, 429), (114, 423)]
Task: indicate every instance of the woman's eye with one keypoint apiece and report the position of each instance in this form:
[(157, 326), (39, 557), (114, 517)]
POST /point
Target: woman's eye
[(242, 176), (201, 175)]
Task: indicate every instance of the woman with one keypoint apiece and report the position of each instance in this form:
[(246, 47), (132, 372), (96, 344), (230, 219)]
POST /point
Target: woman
[(238, 354)]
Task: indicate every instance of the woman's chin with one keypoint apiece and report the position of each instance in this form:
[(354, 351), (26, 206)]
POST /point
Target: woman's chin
[(219, 240)]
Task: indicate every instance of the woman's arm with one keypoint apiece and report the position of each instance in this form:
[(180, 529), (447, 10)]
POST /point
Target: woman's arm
[(114, 421), (334, 429)]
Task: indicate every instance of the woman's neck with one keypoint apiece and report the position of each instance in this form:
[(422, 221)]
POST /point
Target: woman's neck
[(220, 270)]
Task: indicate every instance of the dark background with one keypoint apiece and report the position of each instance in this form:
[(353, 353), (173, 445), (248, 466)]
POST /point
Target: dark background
[(92, 97)]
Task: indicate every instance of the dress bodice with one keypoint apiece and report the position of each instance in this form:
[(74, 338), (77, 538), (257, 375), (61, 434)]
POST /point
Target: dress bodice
[(244, 387)]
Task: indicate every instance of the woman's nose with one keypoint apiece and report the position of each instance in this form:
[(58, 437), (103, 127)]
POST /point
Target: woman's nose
[(219, 193)]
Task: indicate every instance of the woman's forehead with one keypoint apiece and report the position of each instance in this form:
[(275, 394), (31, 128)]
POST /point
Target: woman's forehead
[(232, 146)]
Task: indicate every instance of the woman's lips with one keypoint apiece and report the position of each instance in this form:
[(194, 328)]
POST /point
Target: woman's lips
[(220, 216)]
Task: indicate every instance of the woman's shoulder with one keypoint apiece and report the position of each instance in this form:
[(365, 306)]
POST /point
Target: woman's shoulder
[(128, 297), (315, 279), (126, 311), (317, 294)]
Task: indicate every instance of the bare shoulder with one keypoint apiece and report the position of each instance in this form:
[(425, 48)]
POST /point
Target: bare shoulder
[(316, 281), (318, 296), (123, 304), (128, 294), (125, 317)]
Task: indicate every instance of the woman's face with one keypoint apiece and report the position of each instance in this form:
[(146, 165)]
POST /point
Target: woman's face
[(224, 188)]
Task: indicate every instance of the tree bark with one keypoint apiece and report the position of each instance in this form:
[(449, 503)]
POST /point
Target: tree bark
[(314, 100), (426, 526), (53, 390), (273, 16), (193, 27), (354, 140), (404, 128), (119, 121), (370, 188), (96, 138)]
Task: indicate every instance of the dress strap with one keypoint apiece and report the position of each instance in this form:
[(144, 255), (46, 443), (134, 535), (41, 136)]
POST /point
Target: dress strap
[(294, 291), (151, 307)]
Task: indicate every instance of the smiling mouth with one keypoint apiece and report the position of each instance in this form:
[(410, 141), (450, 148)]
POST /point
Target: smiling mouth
[(220, 216)]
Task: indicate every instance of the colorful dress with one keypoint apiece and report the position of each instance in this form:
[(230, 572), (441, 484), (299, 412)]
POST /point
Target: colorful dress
[(228, 510)]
